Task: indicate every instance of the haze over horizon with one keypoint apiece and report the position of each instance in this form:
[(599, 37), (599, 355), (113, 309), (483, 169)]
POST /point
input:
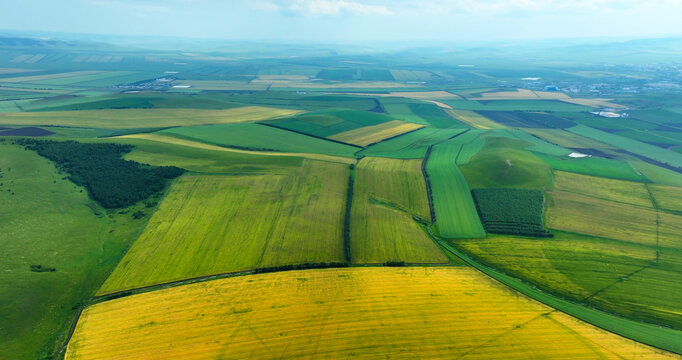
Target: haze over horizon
[(350, 20)]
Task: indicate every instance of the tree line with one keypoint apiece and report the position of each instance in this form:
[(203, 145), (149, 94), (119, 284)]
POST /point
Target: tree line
[(109, 179)]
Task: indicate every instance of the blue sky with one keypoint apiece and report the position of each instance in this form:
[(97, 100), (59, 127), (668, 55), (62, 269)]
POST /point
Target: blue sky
[(350, 20)]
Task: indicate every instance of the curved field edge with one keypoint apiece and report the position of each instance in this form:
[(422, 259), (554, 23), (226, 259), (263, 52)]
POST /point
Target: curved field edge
[(199, 145), (656, 336), (338, 313)]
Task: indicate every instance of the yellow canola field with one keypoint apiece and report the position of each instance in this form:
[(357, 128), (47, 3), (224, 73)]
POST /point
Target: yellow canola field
[(372, 134), (359, 313), (143, 118)]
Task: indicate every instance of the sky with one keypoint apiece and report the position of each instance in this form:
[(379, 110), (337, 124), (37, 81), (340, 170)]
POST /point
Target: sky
[(350, 20)]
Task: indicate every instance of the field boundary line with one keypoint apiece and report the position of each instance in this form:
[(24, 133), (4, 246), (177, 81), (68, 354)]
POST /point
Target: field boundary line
[(656, 336), (313, 136)]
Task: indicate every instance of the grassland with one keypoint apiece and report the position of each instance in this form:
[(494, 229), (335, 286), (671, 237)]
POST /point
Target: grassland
[(502, 163), (595, 166), (455, 211), (373, 134), (387, 195), (142, 118), (342, 313), (474, 119), (214, 224), (48, 221), (259, 137)]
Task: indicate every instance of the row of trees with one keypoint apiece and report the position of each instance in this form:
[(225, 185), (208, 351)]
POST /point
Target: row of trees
[(109, 179), (512, 211)]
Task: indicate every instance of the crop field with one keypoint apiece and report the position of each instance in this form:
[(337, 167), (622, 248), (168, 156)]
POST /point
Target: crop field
[(44, 212), (474, 119), (566, 139), (230, 223), (143, 118), (49, 77), (373, 134), (512, 211), (412, 145), (626, 192), (387, 195), (330, 122), (253, 136), (535, 144), (656, 174), (178, 148), (667, 197), (515, 105), (503, 163), (524, 119), (521, 94), (636, 147), (340, 313), (456, 215), (616, 276)]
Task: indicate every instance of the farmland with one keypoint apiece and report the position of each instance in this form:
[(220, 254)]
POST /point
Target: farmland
[(231, 223), (456, 311), (387, 195), (228, 200), (455, 212), (142, 118), (251, 136), (374, 134)]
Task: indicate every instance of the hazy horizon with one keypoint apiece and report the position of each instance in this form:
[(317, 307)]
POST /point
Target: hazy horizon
[(350, 21)]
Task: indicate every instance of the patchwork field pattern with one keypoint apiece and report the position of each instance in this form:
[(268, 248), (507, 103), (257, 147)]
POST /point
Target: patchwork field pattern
[(332, 313), (143, 118), (411, 146), (214, 224), (253, 136), (456, 215), (474, 119), (388, 193)]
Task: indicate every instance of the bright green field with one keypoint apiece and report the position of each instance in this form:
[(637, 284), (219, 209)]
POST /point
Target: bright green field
[(330, 122), (456, 215), (387, 194), (210, 224), (595, 166), (260, 137), (45, 221), (411, 145)]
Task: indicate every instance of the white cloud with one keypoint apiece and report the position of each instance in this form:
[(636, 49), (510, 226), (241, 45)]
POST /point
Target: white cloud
[(323, 7)]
